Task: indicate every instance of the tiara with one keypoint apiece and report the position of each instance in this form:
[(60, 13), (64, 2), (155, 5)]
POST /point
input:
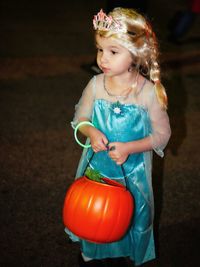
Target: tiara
[(103, 22)]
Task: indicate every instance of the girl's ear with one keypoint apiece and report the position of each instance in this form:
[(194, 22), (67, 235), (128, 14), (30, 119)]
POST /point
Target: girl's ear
[(130, 69), (135, 62), (133, 66)]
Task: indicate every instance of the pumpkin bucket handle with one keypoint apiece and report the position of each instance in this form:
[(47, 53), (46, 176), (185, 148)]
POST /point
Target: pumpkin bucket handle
[(122, 167), (106, 179), (112, 182)]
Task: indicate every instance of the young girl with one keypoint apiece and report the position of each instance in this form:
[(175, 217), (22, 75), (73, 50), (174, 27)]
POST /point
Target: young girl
[(125, 113)]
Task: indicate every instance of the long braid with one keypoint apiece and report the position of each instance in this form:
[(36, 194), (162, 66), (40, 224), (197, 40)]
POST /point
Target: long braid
[(154, 72)]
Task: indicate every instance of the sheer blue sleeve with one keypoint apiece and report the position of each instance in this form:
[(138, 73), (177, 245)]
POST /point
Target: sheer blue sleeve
[(85, 105)]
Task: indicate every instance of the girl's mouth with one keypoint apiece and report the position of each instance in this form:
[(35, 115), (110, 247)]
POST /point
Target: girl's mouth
[(105, 70)]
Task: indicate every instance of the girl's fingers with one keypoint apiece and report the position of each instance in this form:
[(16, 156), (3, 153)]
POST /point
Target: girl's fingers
[(99, 147)]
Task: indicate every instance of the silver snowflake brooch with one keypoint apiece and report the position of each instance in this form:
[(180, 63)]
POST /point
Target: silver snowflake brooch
[(117, 108)]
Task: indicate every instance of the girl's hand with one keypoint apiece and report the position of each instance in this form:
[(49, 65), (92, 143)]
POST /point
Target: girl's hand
[(118, 152), (97, 139)]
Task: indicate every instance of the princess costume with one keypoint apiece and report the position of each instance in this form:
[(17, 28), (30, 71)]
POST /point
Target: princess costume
[(124, 119)]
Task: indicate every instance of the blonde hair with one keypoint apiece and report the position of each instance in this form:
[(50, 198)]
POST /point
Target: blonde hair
[(141, 41)]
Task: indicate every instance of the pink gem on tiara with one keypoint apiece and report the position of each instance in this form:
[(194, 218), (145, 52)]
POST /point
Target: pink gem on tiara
[(103, 22)]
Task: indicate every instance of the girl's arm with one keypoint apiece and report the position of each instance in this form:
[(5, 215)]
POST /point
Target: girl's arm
[(119, 152), (138, 146), (161, 130), (83, 110)]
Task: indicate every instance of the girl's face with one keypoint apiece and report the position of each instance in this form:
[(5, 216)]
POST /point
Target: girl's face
[(112, 58)]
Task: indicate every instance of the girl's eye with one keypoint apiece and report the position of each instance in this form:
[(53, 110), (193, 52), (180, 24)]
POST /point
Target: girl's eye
[(99, 49), (114, 52)]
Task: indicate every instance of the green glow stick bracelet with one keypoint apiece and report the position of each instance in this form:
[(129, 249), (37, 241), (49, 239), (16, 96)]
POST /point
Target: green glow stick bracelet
[(76, 129)]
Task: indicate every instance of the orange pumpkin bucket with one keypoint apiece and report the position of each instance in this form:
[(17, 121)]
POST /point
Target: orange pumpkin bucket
[(98, 212)]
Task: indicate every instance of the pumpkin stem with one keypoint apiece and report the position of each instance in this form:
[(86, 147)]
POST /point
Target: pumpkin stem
[(93, 175)]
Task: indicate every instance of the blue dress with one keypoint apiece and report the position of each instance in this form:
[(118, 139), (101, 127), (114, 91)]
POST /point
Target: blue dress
[(123, 123)]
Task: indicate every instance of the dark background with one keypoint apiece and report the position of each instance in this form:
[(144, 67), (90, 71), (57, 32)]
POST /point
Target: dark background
[(43, 44)]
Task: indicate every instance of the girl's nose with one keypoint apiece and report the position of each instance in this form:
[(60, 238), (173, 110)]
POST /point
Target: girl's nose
[(103, 58)]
